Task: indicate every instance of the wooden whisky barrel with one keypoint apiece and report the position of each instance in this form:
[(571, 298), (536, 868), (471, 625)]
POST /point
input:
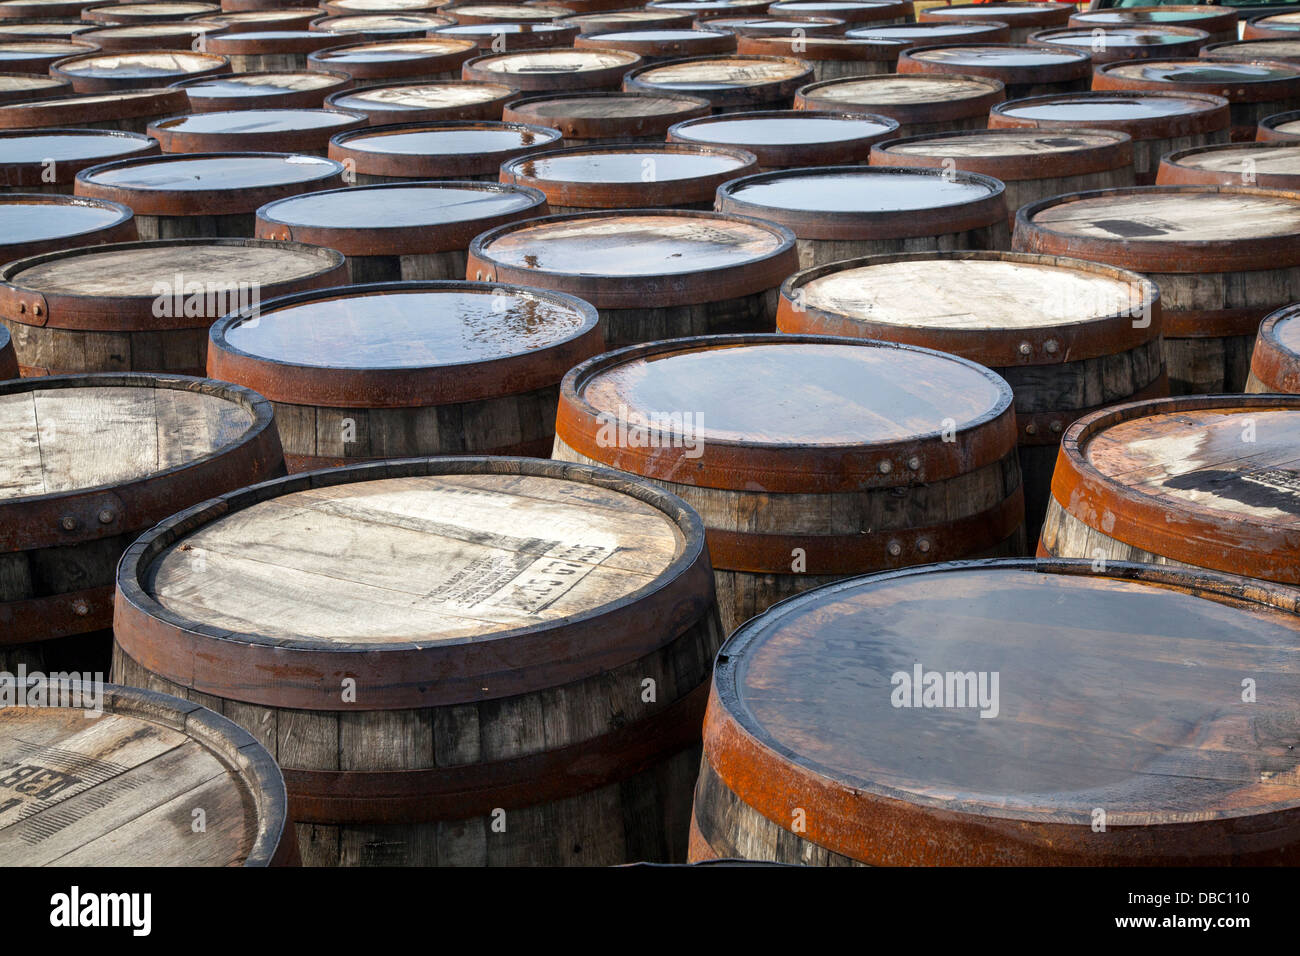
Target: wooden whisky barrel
[(278, 18), (1280, 127), (853, 12), (95, 460), (1031, 163), (254, 130), (919, 102), (48, 160), (655, 46), (1074, 770), (1158, 123), (128, 110), (502, 37), (400, 230), (630, 18), (647, 176), (106, 72), (413, 151), (261, 51), (378, 61), (1205, 481), (1131, 41), (1253, 89), (473, 11), (1220, 22), (37, 56), (559, 69), (274, 90), (1274, 165), (730, 83), (1275, 364), (33, 27), (410, 369), (24, 88), (497, 588), (26, 10), (444, 101), (339, 8), (1269, 26), (705, 9), (146, 306), (8, 358), (589, 119), (795, 27), (930, 34), (33, 223), (782, 139), (1021, 19), (831, 57), (1067, 335), (379, 26), (205, 195), (125, 782), (841, 212), (174, 35), (1287, 50), (147, 12), (653, 274), (1223, 257), (809, 458), (1023, 70)]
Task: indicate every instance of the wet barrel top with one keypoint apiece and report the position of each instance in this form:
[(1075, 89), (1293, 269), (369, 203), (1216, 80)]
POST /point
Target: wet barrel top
[(434, 54), (206, 183), (710, 8), (997, 308), (397, 218), (1141, 114), (36, 56), (77, 108), (258, 42), (42, 222), (790, 137), (924, 34), (1272, 164), (822, 48), (1015, 14), (776, 25), (1286, 50), (850, 11), (712, 75), (1007, 62), (496, 577), (607, 115), (639, 258), (178, 35), (339, 7), (277, 129), (1261, 80), (631, 18), (1013, 154), (405, 344), (622, 177), (21, 88), (147, 12), (662, 42), (560, 69), (218, 92), (380, 24), (867, 202), (147, 68), (1271, 24), (515, 36), (1124, 37), (1172, 767), (907, 97), (43, 28), (244, 21), (395, 103), (1205, 17), (1169, 229), (24, 154), (1279, 126), (1177, 477), (467, 12), (1276, 362), (789, 413), (439, 150)]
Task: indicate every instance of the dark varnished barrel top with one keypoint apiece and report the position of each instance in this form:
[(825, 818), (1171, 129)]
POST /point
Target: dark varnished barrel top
[(1275, 165), (783, 138), (638, 258), (1142, 114), (398, 218), (1208, 480), (1119, 701), (440, 150), (32, 223), (391, 345), (597, 116), (25, 154), (789, 413)]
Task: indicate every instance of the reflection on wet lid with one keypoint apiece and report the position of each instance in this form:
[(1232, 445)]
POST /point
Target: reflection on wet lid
[(902, 88), (258, 84), (921, 30), (1005, 142), (601, 105), (139, 64), (459, 140), (22, 221), (1099, 107), (395, 50), (33, 146), (397, 206), (1161, 216), (407, 329), (229, 171), (557, 61), (1200, 71), (995, 56), (423, 96), (625, 167), (1114, 36), (256, 121), (720, 73), (779, 130), (490, 29), (862, 189), (1145, 16), (658, 36)]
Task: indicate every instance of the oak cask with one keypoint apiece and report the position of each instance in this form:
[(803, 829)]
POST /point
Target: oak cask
[(48, 160), (1128, 42), (128, 110), (1023, 70), (782, 139), (731, 83), (436, 102), (1220, 22), (34, 223), (301, 89), (589, 119), (1275, 363), (1021, 18), (1274, 165), (463, 149), (919, 102), (305, 131), (386, 61)]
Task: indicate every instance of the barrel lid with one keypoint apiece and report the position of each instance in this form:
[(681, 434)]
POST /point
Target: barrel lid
[(192, 184), (1274, 164), (1279, 126), (1207, 480), (559, 66), (16, 49), (515, 36), (115, 287), (1276, 362), (432, 150), (927, 32), (384, 5), (1168, 229), (243, 21), (10, 9), (840, 48), (398, 218), (253, 42), (24, 88), (1278, 21), (1284, 49), (431, 52), (867, 202), (698, 7), (1196, 14), (851, 11), (131, 68), (621, 177), (441, 100), (606, 115), (31, 223), (778, 25), (600, 19), (447, 580), (25, 153), (1015, 14), (1001, 309), (44, 28), (906, 97), (1238, 80), (504, 12), (1143, 114), (1017, 153), (142, 12), (378, 24), (148, 756), (996, 55), (229, 130), (237, 86), (88, 107), (718, 76), (786, 413), (1182, 769), (1120, 35), (638, 257), (661, 41), (789, 137), (408, 344)]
